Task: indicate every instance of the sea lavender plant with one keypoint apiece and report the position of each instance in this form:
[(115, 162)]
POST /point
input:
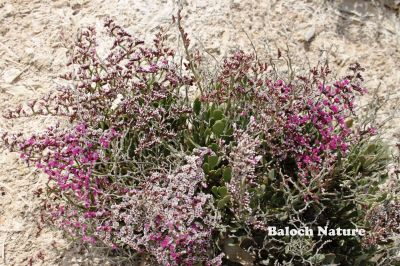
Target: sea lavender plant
[(125, 114), (137, 165)]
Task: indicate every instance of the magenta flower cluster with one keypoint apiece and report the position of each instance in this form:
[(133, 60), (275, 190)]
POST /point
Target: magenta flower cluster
[(70, 158)]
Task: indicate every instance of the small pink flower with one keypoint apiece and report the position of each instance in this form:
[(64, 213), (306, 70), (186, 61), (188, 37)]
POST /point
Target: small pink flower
[(81, 128), (104, 143), (30, 141), (334, 109), (373, 131), (165, 242)]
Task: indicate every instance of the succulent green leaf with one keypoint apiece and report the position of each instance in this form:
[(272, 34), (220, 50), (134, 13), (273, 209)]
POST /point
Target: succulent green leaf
[(213, 147), (218, 114), (223, 191), (212, 161), (218, 127), (197, 106), (216, 173), (223, 202), (214, 190), (227, 175), (206, 168)]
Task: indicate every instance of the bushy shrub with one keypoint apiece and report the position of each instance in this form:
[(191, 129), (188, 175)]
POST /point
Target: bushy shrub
[(142, 166)]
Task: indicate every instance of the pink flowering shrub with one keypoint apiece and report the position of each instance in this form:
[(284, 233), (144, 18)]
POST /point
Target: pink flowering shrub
[(135, 164)]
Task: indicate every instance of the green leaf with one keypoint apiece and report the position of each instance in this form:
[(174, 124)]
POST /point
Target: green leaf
[(218, 114), (223, 202), (219, 192), (227, 175), (212, 121), (223, 191), (214, 190), (206, 168), (212, 161), (197, 106), (103, 125), (207, 114), (216, 173), (213, 147), (218, 127)]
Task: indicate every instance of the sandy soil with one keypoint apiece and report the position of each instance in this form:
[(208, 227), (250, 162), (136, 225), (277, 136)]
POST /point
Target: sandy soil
[(33, 36)]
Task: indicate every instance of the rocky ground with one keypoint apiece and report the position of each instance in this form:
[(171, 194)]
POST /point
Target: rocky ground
[(34, 35)]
